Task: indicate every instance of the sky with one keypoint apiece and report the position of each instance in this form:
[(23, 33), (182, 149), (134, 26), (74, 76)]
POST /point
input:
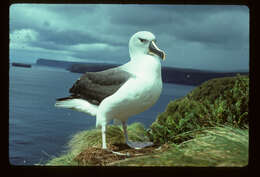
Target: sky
[(208, 37)]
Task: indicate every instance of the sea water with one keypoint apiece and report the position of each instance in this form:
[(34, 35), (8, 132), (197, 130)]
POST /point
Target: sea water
[(38, 131)]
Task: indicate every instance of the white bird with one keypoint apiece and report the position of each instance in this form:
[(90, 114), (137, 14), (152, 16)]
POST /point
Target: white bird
[(120, 92)]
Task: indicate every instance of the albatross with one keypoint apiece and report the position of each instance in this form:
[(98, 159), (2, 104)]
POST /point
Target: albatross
[(121, 92)]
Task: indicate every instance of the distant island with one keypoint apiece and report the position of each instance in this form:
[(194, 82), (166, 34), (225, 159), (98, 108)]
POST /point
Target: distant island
[(21, 65), (169, 74)]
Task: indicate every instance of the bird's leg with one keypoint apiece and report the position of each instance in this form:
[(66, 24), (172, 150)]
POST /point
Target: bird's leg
[(130, 144), (135, 145), (104, 145), (125, 131)]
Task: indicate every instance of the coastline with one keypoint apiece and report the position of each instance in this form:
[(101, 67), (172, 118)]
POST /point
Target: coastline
[(185, 141)]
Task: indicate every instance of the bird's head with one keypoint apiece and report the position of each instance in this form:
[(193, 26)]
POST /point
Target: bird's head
[(144, 43)]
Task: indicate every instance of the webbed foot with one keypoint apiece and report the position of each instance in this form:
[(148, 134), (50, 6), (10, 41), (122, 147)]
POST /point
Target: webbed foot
[(138, 145)]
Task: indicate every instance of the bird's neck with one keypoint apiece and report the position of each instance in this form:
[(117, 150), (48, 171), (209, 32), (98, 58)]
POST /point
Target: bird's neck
[(146, 66)]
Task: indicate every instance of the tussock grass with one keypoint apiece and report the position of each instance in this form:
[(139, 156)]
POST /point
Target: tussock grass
[(92, 138), (191, 125), (218, 146), (212, 147), (217, 101)]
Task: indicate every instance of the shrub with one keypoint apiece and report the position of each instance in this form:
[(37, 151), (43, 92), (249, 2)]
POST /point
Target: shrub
[(226, 98), (220, 146), (217, 101), (92, 138)]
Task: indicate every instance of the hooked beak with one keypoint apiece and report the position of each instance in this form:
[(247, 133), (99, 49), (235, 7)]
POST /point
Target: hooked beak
[(154, 50)]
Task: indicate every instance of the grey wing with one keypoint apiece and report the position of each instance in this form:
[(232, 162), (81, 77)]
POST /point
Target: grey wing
[(96, 86)]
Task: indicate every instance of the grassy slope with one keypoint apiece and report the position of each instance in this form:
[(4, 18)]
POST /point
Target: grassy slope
[(215, 102), (190, 125), (92, 138), (218, 146)]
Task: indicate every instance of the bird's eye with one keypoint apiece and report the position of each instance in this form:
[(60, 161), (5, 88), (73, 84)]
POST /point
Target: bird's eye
[(142, 40)]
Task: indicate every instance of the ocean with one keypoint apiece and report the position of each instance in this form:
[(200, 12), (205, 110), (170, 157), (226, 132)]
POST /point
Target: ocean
[(38, 131)]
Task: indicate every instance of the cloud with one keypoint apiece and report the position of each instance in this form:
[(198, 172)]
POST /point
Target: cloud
[(204, 34), (23, 35), (19, 38), (219, 28), (139, 15), (100, 51), (66, 37)]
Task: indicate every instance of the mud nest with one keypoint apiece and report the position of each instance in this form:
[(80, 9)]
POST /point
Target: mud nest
[(96, 156)]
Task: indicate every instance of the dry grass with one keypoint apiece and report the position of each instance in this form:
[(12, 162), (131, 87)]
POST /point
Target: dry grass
[(190, 125), (92, 139), (215, 147)]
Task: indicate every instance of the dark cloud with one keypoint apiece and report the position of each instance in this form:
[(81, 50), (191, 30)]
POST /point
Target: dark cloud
[(202, 9), (139, 15), (66, 37), (185, 32), (47, 45), (224, 33), (211, 34), (71, 10), (117, 56), (206, 24), (59, 40)]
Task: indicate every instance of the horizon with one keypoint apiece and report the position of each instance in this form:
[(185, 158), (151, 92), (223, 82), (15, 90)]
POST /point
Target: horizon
[(203, 37), (100, 62)]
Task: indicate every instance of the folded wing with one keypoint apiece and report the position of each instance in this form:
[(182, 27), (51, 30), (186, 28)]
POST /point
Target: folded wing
[(96, 86)]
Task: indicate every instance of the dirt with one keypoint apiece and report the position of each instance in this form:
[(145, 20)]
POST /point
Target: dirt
[(97, 156)]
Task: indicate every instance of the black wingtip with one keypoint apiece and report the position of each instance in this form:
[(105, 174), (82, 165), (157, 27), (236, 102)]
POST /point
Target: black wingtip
[(68, 97), (62, 99)]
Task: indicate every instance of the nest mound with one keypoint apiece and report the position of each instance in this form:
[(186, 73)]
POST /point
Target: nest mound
[(101, 157)]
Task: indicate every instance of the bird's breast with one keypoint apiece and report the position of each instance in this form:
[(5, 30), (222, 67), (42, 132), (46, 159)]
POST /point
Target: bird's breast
[(149, 91), (134, 97)]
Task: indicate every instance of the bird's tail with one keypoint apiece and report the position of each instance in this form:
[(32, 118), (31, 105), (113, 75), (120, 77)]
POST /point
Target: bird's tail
[(77, 104)]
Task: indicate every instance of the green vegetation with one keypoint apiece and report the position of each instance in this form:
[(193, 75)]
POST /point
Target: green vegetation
[(218, 146), (208, 127), (215, 102), (92, 138)]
